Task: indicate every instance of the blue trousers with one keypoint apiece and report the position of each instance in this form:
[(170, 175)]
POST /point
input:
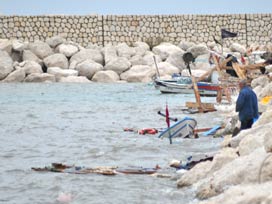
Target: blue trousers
[(246, 124)]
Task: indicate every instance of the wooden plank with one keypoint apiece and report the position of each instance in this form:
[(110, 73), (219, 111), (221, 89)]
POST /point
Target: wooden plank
[(201, 130), (204, 105), (238, 71), (197, 95), (217, 66)]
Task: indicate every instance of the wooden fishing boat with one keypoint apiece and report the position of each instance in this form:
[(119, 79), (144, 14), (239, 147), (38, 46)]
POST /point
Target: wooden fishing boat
[(184, 86)]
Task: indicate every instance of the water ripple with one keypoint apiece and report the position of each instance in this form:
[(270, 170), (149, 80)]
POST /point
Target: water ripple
[(83, 124)]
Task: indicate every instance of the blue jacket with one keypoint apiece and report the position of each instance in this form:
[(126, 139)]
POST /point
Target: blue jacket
[(247, 104)]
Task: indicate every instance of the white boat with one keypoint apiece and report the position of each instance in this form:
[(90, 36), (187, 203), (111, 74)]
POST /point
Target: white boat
[(184, 85), (183, 128), (181, 85)]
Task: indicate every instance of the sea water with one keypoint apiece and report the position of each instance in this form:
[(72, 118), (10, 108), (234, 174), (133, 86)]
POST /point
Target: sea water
[(82, 124)]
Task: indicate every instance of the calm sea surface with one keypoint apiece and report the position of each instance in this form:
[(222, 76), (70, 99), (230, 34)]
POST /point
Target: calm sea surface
[(82, 124)]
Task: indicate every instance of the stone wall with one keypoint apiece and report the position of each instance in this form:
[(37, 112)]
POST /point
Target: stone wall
[(81, 29), (98, 29)]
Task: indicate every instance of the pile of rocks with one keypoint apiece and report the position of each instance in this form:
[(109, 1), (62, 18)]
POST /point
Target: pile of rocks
[(241, 171), (58, 60)]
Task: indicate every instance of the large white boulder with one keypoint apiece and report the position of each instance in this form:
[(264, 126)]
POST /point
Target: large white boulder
[(252, 131), (56, 60), (107, 76), (198, 172), (138, 73), (110, 53), (58, 72), (268, 141), (176, 59), (241, 194), (258, 90), (67, 49), (166, 68), (260, 81), (118, 65), (85, 54), (253, 141), (204, 169), (185, 45), (6, 64), (143, 45), (199, 49), (16, 76), (40, 49), (141, 48), (29, 67), (16, 56), (149, 58), (6, 45), (55, 41), (268, 68), (225, 156), (164, 50), (264, 107), (244, 169), (235, 47), (137, 60), (123, 50), (88, 68), (37, 77), (264, 119), (18, 45), (74, 79), (30, 56), (266, 91)]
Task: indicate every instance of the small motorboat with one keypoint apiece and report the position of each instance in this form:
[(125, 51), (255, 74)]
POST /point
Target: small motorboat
[(183, 85)]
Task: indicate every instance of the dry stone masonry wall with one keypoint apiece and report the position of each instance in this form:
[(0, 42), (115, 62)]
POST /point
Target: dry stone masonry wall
[(81, 29), (153, 29)]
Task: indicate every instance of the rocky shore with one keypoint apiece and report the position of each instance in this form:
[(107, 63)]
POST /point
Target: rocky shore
[(241, 171), (58, 60)]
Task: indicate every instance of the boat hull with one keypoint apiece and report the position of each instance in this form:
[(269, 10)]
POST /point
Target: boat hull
[(183, 128), (171, 86)]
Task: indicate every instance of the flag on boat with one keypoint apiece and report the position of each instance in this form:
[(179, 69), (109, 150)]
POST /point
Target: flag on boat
[(167, 116), (227, 34)]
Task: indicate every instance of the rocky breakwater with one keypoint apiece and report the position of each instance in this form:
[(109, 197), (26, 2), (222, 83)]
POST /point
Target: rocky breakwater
[(241, 171), (59, 60)]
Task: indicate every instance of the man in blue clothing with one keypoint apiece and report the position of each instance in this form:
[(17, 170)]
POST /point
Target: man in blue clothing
[(246, 105)]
